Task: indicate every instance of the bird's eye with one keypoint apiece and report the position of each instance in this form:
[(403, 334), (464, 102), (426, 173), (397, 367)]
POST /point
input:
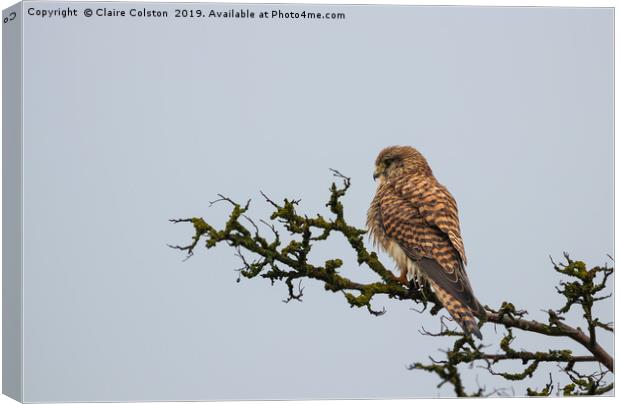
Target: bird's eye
[(387, 162)]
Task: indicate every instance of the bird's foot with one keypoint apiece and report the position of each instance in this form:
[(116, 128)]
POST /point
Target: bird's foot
[(403, 279)]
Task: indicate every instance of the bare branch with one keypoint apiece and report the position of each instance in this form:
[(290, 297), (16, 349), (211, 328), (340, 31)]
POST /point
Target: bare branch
[(289, 263)]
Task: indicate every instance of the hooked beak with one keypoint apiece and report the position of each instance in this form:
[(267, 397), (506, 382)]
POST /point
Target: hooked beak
[(376, 175)]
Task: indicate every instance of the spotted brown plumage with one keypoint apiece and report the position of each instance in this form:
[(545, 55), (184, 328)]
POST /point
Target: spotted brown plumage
[(415, 220)]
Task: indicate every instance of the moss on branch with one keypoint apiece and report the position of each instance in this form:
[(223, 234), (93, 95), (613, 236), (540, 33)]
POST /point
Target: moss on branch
[(288, 262)]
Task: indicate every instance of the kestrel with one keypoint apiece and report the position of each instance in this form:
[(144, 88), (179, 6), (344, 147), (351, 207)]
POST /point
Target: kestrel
[(415, 220)]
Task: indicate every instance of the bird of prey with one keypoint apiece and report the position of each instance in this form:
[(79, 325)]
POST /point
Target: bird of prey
[(415, 220)]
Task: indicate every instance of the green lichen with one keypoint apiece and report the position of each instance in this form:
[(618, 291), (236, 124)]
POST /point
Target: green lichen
[(290, 263)]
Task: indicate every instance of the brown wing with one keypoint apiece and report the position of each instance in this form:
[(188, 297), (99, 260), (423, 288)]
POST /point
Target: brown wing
[(435, 204), (421, 216)]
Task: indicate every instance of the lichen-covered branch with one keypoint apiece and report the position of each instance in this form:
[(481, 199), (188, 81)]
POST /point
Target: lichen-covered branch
[(286, 259)]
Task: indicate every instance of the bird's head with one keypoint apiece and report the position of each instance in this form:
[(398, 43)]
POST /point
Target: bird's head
[(395, 161)]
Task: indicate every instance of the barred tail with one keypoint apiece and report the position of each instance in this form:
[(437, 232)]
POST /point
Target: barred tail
[(462, 314)]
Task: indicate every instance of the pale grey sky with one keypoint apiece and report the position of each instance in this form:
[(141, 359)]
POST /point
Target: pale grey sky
[(129, 123)]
